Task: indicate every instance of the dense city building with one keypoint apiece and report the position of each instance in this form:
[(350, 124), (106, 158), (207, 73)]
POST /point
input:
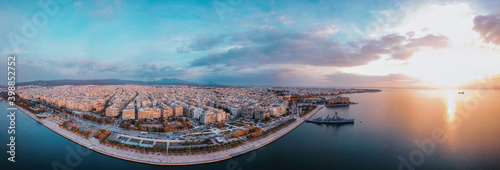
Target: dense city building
[(206, 105)]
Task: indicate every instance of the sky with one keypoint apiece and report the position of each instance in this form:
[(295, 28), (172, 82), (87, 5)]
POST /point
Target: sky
[(315, 43)]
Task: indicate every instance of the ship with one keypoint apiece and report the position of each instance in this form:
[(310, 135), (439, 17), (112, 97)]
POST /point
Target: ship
[(461, 92), (328, 120)]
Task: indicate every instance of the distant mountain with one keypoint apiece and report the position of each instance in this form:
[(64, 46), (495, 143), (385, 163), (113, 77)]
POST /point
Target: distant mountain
[(165, 81), (212, 83), (73, 82), (174, 81)]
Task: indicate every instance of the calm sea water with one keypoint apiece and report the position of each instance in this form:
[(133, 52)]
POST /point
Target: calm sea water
[(396, 125)]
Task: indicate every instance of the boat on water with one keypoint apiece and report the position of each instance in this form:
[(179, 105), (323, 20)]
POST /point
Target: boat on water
[(461, 92), (333, 120)]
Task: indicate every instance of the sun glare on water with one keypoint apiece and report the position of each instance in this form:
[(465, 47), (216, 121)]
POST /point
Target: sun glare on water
[(450, 97)]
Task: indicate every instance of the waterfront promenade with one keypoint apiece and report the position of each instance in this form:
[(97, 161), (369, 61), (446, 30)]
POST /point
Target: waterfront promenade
[(165, 158)]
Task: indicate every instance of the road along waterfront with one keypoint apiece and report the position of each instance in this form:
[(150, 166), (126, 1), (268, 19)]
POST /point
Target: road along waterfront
[(168, 159)]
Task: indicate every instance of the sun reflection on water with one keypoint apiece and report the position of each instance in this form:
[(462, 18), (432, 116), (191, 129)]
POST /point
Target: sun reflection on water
[(452, 120), (450, 96)]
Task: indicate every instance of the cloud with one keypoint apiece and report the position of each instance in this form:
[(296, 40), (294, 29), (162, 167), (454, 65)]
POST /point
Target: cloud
[(488, 26), (260, 77), (154, 71), (33, 69), (412, 45), (107, 12), (105, 9), (268, 28), (17, 52), (202, 43), (300, 76), (269, 45), (68, 68), (391, 80), (329, 30), (27, 61), (77, 4), (435, 41), (276, 17), (86, 65), (285, 19)]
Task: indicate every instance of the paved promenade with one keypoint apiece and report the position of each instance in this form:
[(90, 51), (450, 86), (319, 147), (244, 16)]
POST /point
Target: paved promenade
[(169, 159)]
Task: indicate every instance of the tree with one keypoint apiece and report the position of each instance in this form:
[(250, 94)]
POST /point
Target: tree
[(267, 118), (221, 125)]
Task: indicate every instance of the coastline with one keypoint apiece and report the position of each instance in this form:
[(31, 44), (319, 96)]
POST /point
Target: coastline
[(167, 159)]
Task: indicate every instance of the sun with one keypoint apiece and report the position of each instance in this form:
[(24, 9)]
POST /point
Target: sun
[(467, 58), (440, 68), (452, 67)]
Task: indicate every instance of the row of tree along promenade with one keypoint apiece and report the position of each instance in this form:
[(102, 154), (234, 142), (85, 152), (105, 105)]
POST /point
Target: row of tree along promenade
[(173, 156)]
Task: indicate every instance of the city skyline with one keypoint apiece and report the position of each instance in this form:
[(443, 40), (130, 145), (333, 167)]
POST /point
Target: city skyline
[(176, 119), (256, 43), (250, 84)]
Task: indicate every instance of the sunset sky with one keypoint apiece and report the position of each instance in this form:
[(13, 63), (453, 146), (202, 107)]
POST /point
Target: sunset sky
[(256, 43)]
